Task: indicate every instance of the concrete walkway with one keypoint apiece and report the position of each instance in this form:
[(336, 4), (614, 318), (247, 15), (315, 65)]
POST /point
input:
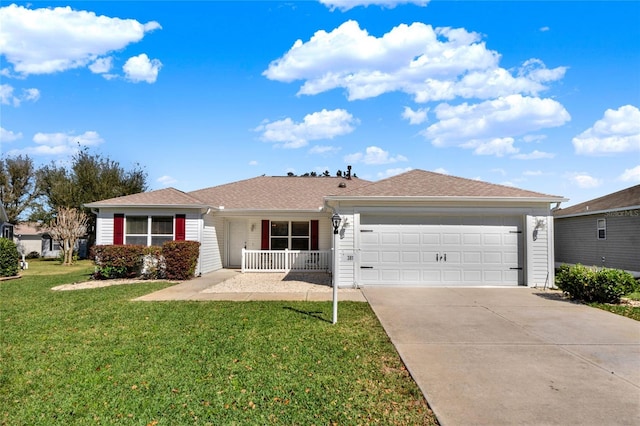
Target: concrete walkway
[(198, 289), (514, 356)]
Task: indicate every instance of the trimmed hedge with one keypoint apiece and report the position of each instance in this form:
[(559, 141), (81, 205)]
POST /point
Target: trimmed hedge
[(181, 258), (590, 284), (9, 258), (176, 260), (117, 261)]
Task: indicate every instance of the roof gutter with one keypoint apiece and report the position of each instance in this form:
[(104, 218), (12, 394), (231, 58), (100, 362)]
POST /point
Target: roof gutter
[(549, 199), (592, 212)]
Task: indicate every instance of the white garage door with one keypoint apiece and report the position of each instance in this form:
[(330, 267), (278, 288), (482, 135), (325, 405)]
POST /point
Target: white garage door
[(439, 255)]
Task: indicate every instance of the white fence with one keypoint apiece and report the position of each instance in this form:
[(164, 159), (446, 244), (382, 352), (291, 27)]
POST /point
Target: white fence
[(285, 260)]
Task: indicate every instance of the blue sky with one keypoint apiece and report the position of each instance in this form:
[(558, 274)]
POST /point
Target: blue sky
[(539, 95)]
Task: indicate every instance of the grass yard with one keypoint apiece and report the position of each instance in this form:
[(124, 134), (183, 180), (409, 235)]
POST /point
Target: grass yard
[(95, 357)]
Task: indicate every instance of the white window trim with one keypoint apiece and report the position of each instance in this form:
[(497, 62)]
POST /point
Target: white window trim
[(290, 237), (149, 235), (601, 228)]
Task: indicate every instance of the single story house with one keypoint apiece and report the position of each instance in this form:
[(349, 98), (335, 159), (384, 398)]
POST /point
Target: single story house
[(415, 229), (601, 232), (30, 237)]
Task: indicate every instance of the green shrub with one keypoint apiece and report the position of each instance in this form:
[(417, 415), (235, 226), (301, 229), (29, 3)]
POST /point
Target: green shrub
[(9, 258), (181, 258), (33, 255), (117, 261), (591, 284)]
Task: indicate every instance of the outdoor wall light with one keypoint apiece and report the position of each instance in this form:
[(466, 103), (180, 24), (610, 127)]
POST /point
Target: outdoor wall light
[(335, 220)]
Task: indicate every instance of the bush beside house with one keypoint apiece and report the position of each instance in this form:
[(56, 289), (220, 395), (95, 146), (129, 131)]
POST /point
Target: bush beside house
[(9, 258), (589, 284), (175, 260)]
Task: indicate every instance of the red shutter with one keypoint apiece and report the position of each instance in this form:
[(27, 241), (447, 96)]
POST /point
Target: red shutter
[(264, 243), (315, 229), (180, 227), (118, 229)]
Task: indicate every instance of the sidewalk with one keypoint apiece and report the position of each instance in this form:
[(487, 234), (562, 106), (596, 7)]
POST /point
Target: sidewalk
[(203, 288)]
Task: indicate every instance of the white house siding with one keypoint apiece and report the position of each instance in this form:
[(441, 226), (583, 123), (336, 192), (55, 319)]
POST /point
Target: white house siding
[(540, 262), (104, 222), (210, 258)]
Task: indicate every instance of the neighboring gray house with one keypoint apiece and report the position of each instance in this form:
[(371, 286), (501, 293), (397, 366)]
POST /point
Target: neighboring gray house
[(415, 229), (601, 232)]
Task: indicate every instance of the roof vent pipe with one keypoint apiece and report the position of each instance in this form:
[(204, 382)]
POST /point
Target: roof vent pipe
[(348, 172)]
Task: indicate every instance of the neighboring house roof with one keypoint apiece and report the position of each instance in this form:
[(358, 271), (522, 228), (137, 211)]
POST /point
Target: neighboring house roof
[(28, 228), (624, 199), (277, 192), (167, 197), (420, 183)]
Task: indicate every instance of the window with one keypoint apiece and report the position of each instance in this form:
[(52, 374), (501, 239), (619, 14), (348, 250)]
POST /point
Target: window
[(289, 235), (602, 229), (148, 230)]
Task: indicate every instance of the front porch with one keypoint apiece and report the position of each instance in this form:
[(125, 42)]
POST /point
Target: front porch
[(286, 260)]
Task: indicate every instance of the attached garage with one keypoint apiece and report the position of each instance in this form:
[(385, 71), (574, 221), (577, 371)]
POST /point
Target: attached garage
[(441, 255), (431, 230)]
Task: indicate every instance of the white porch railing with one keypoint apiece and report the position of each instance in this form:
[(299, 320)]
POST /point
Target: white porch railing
[(285, 260)]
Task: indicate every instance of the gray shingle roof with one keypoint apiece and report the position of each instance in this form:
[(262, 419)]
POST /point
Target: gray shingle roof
[(158, 198), (629, 197), (420, 183), (277, 192)]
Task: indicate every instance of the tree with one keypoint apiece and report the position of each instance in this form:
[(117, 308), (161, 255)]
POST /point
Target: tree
[(90, 178), (67, 228), (19, 188)]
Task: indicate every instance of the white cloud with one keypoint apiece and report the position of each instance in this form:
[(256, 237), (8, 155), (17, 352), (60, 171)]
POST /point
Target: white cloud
[(49, 40), (253, 163), (502, 172), (428, 63), (489, 127), (630, 175), (535, 155), (141, 68), (7, 96), (441, 171), (101, 65), (166, 180), (324, 149), (393, 172), (544, 29), (532, 173), (59, 144), (345, 5), (533, 138), (415, 117), (616, 132), (498, 147), (374, 155), (584, 180), (316, 126), (8, 135)]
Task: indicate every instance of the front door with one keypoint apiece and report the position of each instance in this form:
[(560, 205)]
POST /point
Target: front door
[(237, 238)]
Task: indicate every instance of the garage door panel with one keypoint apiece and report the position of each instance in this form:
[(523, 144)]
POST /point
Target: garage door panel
[(431, 255), (472, 257), (412, 257)]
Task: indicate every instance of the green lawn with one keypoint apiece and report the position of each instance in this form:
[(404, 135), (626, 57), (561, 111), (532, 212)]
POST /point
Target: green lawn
[(95, 357)]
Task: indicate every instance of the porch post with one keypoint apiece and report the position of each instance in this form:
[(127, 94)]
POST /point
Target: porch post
[(242, 262)]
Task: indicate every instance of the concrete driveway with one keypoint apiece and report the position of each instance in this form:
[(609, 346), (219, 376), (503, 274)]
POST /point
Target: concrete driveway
[(514, 356)]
